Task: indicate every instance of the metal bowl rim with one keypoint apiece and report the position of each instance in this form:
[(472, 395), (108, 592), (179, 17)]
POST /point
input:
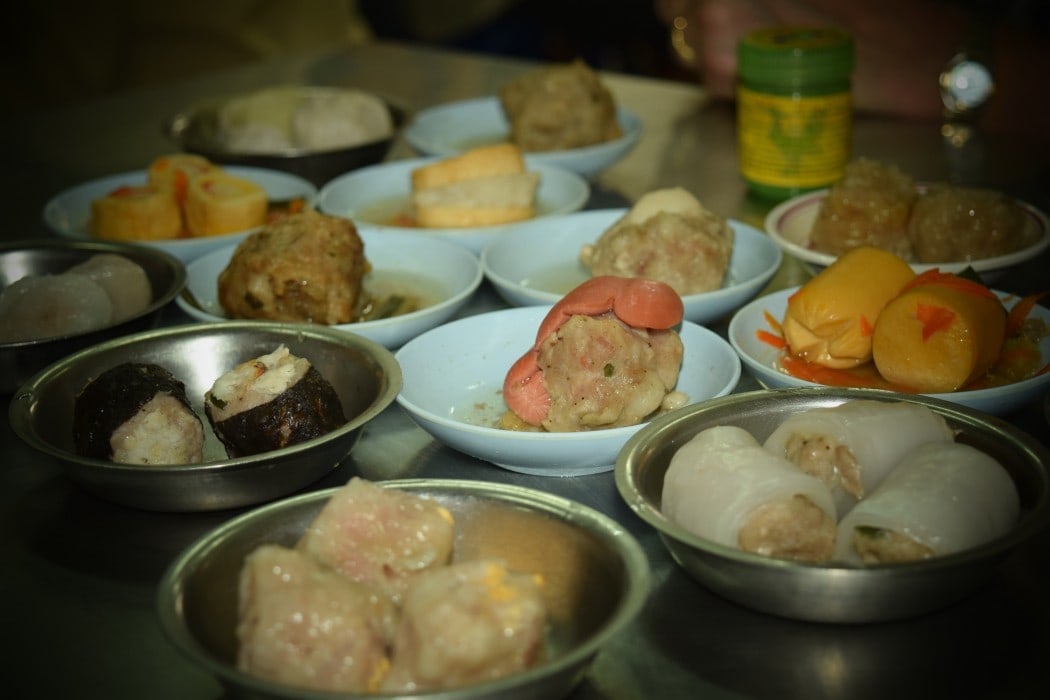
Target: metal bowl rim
[(1035, 520), (176, 125), (173, 264), (26, 396), (635, 561)]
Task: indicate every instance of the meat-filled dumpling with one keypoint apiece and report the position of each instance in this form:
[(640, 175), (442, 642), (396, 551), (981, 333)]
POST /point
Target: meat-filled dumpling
[(870, 206), (943, 497), (723, 486), (380, 536), (304, 625), (950, 223), (305, 268), (466, 623), (666, 236), (606, 355), (137, 413), (559, 107), (270, 402)]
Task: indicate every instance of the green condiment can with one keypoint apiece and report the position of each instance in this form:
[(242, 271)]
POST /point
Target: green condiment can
[(794, 108)]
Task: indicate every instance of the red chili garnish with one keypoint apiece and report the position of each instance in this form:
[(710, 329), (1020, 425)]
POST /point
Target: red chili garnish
[(866, 329), (934, 319), (947, 279), (125, 191), (180, 182)]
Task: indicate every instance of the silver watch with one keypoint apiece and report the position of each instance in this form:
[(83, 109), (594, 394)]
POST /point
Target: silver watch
[(966, 85)]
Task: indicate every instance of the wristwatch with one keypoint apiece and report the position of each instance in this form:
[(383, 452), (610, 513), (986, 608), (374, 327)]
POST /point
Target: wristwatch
[(966, 85)]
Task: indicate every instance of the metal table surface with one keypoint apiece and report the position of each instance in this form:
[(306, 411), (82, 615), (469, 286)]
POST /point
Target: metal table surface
[(79, 574)]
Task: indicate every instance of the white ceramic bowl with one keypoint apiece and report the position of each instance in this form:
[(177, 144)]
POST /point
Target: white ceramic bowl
[(373, 196), (69, 213), (538, 262), (790, 222), (762, 359), (444, 272), (452, 128), (453, 381)]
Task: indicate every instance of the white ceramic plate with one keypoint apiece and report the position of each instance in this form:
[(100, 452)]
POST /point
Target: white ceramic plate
[(762, 359), (69, 213), (374, 195), (790, 222), (453, 128), (453, 381), (445, 273), (538, 262)]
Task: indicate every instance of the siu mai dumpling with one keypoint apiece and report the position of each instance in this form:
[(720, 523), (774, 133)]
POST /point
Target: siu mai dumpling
[(380, 536), (303, 625), (666, 236), (466, 623)]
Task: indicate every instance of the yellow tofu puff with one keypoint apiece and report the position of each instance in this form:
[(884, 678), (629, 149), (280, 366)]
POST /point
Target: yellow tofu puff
[(218, 203), (136, 213), (830, 319), (941, 333)]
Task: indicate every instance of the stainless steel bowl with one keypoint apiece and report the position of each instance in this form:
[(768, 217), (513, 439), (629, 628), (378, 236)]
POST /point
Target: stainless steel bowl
[(829, 593), (596, 579), (365, 375), (196, 129), (21, 360)]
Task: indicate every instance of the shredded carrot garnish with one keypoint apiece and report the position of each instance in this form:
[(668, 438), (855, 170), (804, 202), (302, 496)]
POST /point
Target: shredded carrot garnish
[(864, 376), (773, 323), (1019, 312), (771, 339)]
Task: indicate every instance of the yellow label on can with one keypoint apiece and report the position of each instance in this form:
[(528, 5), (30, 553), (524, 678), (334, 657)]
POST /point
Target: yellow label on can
[(791, 141)]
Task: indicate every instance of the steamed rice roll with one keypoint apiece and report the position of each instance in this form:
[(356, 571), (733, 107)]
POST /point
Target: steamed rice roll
[(944, 497), (853, 446), (723, 486), (137, 413), (270, 402)]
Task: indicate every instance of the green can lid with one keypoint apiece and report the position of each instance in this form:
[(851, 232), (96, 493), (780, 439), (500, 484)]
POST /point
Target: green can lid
[(795, 55)]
